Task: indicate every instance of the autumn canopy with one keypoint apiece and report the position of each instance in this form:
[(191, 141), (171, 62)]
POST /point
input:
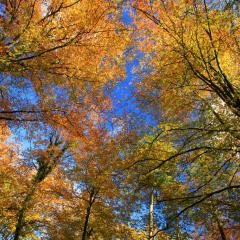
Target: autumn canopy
[(119, 119)]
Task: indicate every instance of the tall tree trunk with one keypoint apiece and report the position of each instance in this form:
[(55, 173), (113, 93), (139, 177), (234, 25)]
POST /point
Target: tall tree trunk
[(88, 212), (44, 169), (221, 230), (84, 234), (151, 212), (22, 211)]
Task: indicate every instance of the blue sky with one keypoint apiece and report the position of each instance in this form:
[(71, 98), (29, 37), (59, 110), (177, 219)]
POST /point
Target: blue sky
[(123, 94)]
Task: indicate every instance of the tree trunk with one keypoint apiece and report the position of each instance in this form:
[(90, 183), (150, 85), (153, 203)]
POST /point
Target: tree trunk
[(221, 230), (84, 234), (43, 170), (88, 212), (21, 213), (151, 212)]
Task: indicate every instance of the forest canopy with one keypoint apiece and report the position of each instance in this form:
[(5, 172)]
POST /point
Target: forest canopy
[(119, 119)]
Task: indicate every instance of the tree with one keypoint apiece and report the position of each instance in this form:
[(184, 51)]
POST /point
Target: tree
[(190, 45), (164, 167), (47, 161), (30, 194), (96, 199), (191, 83), (58, 51)]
